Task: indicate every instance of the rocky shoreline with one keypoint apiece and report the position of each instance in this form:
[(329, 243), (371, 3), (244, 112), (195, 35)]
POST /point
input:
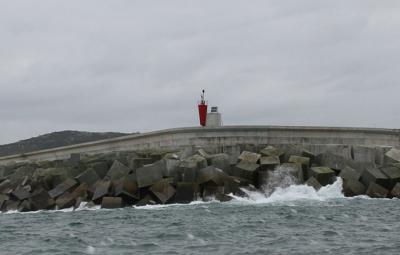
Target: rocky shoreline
[(127, 178)]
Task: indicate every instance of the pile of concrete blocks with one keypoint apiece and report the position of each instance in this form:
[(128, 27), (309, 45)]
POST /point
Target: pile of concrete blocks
[(119, 179), (116, 180)]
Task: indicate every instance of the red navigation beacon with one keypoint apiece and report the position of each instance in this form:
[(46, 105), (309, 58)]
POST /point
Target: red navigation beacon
[(203, 110)]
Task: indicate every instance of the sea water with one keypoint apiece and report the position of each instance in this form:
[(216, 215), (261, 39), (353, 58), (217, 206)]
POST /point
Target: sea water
[(292, 220)]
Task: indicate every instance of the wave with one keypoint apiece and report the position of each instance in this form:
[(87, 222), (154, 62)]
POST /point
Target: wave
[(293, 193), (82, 207), (288, 194), (159, 206)]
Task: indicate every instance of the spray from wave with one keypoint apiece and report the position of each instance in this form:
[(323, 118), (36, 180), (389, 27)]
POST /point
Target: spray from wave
[(294, 193), (281, 177), (282, 185)]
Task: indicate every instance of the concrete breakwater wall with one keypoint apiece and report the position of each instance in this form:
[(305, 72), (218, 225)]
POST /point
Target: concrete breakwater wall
[(230, 139)]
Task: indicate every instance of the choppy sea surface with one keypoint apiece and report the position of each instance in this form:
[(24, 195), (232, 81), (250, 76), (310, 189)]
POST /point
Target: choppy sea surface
[(294, 220)]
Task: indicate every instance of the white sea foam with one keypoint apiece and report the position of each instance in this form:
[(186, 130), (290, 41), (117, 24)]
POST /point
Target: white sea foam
[(71, 209), (83, 207), (11, 212), (17, 212), (153, 207), (294, 193), (282, 186), (160, 207)]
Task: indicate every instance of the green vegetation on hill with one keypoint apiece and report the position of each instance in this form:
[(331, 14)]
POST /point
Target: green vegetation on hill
[(53, 140)]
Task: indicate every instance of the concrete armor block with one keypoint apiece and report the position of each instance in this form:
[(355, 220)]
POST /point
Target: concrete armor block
[(89, 177), (194, 161), (127, 188), (262, 178), (312, 182), (101, 168), (250, 157), (41, 200), (63, 187), (352, 187), (163, 190), (393, 173), (376, 191), (272, 151), (300, 160), (210, 190), (269, 162), (21, 193), (304, 162), (101, 189), (171, 167), (186, 192), (204, 154), (149, 174), (374, 175), (212, 174), (308, 154), (245, 169), (117, 171), (82, 190), (66, 200), (189, 167), (324, 175), (111, 202), (393, 154), (349, 173), (221, 161), (189, 174), (5, 185)]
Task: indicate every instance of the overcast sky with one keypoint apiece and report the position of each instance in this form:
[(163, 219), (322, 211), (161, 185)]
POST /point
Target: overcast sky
[(141, 65)]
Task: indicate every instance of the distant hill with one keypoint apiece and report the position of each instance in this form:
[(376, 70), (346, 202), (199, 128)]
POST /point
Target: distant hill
[(53, 140)]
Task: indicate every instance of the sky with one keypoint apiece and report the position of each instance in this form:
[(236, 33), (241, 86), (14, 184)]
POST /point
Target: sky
[(128, 66)]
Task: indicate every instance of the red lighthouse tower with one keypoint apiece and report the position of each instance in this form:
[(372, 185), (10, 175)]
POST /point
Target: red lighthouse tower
[(203, 110)]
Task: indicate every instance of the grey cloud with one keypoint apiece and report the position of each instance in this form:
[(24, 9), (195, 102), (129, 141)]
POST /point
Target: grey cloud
[(140, 65)]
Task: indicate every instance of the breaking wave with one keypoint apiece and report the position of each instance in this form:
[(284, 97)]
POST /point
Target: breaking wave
[(158, 206), (293, 193), (82, 207)]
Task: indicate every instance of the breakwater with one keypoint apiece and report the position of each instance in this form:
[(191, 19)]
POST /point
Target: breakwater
[(148, 177)]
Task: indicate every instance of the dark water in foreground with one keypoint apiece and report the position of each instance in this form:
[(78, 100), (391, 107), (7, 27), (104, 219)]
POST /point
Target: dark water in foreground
[(294, 221)]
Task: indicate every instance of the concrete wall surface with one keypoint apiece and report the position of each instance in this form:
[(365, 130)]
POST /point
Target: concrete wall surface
[(223, 138)]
